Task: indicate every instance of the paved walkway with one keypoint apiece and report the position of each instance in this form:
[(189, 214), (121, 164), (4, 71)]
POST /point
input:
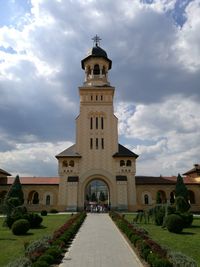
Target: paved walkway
[(100, 244)]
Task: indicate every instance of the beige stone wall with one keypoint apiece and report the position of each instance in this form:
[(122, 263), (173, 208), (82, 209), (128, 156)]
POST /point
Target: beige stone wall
[(151, 191)]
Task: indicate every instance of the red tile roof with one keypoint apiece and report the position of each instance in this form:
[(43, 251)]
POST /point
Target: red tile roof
[(144, 180), (36, 180)]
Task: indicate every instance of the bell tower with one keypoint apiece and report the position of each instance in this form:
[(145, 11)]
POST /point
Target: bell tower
[(97, 134), (96, 154), (96, 65)]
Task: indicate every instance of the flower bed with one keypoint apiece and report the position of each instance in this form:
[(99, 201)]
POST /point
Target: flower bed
[(148, 249), (50, 249)]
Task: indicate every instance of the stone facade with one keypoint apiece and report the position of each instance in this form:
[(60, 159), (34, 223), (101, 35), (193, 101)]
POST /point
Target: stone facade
[(96, 153)]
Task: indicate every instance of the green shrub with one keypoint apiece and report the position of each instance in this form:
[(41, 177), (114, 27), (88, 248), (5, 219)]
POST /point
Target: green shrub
[(155, 261), (178, 259), (174, 223), (182, 204), (134, 239), (159, 215), (20, 227), (20, 262), (48, 258), (43, 213), (53, 211), (34, 219), (54, 251)]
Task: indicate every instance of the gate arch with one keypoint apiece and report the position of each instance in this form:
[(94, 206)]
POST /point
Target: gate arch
[(86, 179)]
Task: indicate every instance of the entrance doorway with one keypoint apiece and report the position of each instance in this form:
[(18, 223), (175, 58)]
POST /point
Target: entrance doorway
[(97, 196)]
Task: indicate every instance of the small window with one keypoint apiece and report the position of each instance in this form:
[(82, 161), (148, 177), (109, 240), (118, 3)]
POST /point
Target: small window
[(96, 122), (101, 97), (102, 143), (146, 199), (91, 143), (128, 163), (71, 163), (65, 163), (122, 163), (91, 97), (96, 97), (91, 123), (97, 143), (102, 123), (48, 200)]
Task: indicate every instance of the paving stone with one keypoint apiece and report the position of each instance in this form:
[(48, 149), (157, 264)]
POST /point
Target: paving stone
[(99, 243)]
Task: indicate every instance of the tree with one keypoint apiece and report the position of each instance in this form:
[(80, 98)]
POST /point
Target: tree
[(94, 197), (102, 197), (14, 197), (181, 189)]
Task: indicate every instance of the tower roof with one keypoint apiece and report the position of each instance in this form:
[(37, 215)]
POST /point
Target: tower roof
[(96, 52), (124, 152)]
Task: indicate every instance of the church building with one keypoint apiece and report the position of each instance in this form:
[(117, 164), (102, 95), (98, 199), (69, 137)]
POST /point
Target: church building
[(97, 169), (96, 162)]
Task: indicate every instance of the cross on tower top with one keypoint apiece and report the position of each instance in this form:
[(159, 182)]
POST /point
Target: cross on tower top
[(96, 40)]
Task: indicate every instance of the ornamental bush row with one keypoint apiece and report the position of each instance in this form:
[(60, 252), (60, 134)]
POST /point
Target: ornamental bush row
[(148, 249), (48, 250), (59, 242)]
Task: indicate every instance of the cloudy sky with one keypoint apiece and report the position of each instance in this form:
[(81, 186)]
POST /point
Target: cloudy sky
[(155, 49)]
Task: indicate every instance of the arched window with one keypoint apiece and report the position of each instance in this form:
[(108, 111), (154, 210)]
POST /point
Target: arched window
[(71, 163), (48, 200), (35, 198), (128, 163), (96, 70), (65, 163), (191, 196), (122, 163), (146, 199)]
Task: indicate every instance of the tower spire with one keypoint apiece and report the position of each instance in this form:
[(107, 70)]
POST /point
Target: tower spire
[(96, 40)]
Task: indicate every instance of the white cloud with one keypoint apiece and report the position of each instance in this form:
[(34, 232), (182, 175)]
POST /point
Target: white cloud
[(188, 38), (33, 159), (173, 126)]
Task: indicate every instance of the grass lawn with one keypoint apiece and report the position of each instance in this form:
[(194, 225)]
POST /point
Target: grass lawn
[(12, 246), (188, 242)]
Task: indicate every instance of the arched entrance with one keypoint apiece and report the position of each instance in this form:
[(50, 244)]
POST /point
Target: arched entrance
[(97, 196)]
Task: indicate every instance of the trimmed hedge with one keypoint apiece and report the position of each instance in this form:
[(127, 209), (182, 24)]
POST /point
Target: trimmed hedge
[(59, 242), (148, 249), (20, 227), (174, 223)]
